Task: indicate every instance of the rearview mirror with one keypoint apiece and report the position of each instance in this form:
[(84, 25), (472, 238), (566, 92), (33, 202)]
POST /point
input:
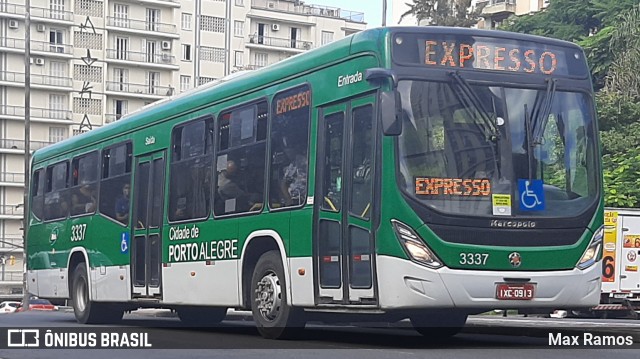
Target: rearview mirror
[(390, 103), (391, 113)]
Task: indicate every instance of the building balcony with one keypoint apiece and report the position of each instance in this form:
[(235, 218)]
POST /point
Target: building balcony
[(11, 211), (280, 43), (37, 81), (142, 27), (18, 146), (11, 277), (499, 7), (113, 117), (12, 179), (139, 90), (204, 80), (162, 3), (10, 242), (308, 9), (158, 60), (38, 48), (37, 114), (38, 14), (252, 67)]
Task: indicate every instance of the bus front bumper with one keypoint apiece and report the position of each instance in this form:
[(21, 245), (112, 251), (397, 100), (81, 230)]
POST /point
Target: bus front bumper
[(405, 285)]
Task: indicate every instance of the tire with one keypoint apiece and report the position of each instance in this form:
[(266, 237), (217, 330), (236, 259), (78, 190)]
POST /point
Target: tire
[(274, 318), (201, 316), (85, 310), (438, 325)]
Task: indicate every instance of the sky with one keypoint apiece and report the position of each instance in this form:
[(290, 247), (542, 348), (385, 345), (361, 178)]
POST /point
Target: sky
[(372, 9)]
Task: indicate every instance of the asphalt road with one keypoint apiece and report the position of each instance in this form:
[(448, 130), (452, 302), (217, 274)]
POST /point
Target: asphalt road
[(482, 338)]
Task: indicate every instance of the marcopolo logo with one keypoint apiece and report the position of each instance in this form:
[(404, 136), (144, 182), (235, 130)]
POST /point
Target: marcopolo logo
[(515, 259), (496, 223)]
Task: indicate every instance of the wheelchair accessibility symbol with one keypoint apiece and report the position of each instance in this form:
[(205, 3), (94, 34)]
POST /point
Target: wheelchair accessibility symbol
[(124, 243), (531, 195)]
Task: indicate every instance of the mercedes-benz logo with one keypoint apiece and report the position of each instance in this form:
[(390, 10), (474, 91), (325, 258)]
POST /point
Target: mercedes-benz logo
[(515, 259)]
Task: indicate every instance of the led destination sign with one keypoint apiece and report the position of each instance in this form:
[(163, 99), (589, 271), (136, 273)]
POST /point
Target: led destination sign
[(293, 102), (448, 51), (431, 186), (499, 58)]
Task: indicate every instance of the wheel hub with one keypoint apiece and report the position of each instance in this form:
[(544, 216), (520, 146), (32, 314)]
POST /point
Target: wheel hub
[(268, 296)]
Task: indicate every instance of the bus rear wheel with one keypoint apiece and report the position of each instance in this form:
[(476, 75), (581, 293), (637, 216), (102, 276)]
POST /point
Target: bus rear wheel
[(438, 325), (85, 310), (274, 318), (201, 316)]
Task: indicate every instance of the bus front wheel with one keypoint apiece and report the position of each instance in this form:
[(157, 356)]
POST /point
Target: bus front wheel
[(85, 310), (274, 318), (438, 325)]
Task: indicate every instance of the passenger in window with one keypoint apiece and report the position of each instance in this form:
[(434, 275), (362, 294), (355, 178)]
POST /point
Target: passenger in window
[(56, 206), (83, 200), (122, 205), (234, 197), (227, 182), (294, 181)]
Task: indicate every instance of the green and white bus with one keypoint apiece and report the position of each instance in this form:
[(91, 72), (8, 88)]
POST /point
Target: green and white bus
[(424, 173)]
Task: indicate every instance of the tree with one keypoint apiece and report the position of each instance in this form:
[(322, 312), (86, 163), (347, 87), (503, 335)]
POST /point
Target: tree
[(591, 23), (622, 179), (599, 55), (623, 77), (614, 113), (564, 19), (445, 12)]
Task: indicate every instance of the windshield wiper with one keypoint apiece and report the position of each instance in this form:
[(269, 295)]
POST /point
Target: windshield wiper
[(491, 131), (529, 140), (540, 115)]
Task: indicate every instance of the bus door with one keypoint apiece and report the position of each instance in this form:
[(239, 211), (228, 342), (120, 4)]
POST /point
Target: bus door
[(146, 247), (344, 245)]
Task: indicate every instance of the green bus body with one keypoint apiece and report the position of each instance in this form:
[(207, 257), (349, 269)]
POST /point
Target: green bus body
[(149, 131)]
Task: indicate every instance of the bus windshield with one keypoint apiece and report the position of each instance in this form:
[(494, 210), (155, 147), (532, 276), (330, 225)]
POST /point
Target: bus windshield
[(486, 150)]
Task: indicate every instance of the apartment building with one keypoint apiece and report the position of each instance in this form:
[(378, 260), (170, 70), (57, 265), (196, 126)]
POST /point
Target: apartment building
[(493, 13), (496, 11), (93, 61)]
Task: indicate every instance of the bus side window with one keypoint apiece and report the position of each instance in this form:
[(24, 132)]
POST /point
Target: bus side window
[(332, 181), (84, 170), (115, 183), (191, 170), (56, 201), (241, 160), (290, 148), (362, 161), (37, 194)]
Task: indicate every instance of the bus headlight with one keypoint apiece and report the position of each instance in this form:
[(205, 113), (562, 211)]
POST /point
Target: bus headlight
[(594, 252), (415, 246)]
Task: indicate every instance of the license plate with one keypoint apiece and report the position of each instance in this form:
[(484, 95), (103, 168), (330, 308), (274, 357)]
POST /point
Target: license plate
[(506, 291)]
